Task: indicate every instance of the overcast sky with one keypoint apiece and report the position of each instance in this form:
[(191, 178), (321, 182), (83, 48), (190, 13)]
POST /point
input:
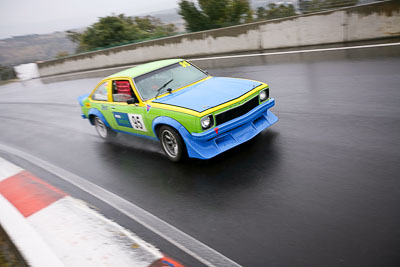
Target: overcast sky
[(20, 17)]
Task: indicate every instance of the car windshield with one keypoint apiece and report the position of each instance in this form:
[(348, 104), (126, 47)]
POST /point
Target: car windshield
[(178, 75)]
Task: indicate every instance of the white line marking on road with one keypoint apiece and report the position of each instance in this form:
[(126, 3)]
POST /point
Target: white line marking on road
[(183, 241), (87, 71), (8, 169), (299, 51), (235, 56)]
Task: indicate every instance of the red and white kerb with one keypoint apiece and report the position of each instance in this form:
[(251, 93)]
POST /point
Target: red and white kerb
[(51, 228)]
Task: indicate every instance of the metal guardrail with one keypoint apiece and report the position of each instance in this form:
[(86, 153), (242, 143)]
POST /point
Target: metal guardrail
[(311, 6)]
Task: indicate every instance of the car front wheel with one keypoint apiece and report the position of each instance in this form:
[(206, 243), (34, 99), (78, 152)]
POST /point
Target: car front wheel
[(103, 131), (172, 143)]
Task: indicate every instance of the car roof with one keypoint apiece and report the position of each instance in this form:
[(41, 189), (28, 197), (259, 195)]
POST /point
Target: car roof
[(145, 68)]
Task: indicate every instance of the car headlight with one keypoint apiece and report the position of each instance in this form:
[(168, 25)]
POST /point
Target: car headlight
[(264, 94), (207, 122)]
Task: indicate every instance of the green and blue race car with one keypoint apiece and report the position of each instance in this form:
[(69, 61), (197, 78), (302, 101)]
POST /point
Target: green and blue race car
[(190, 112)]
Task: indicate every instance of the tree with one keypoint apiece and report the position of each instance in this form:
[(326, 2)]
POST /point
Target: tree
[(214, 13), (7, 73), (275, 11), (154, 27), (239, 11), (194, 18), (76, 38), (260, 13), (112, 30), (116, 30)]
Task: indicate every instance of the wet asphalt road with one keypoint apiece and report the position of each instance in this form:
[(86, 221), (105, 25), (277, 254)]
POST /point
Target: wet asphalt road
[(319, 188)]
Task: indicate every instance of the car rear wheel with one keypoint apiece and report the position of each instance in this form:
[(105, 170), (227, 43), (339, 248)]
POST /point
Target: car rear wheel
[(172, 144), (102, 130)]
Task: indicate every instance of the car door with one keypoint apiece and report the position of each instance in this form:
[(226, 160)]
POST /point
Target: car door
[(127, 118), (100, 100)]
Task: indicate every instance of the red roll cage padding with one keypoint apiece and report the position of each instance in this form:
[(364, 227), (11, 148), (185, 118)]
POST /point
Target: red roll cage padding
[(123, 87)]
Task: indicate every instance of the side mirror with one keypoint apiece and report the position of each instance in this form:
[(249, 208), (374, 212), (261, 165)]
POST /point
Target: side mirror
[(131, 101)]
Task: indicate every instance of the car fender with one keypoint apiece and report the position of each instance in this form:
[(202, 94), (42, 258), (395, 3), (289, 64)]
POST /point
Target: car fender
[(96, 112), (186, 136), (170, 122), (82, 98)]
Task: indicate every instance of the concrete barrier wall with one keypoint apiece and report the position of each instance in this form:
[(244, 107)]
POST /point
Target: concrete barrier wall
[(361, 23)]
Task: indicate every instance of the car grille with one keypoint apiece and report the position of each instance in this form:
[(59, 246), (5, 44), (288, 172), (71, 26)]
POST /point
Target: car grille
[(236, 112)]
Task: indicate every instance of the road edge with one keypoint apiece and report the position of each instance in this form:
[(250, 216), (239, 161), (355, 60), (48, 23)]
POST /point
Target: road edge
[(28, 206)]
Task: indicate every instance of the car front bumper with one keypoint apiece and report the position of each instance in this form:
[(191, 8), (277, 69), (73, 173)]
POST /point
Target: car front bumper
[(230, 134)]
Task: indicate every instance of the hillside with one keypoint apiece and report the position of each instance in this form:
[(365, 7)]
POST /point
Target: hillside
[(35, 47)]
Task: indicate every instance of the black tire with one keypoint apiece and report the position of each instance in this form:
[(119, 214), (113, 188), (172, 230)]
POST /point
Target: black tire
[(102, 130), (172, 144)]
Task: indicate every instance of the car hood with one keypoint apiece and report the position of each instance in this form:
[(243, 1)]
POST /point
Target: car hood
[(209, 93)]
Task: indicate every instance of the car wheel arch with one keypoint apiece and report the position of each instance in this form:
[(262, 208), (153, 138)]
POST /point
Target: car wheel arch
[(93, 112), (162, 120)]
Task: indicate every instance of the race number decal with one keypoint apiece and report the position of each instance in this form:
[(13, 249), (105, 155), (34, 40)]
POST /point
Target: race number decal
[(137, 122)]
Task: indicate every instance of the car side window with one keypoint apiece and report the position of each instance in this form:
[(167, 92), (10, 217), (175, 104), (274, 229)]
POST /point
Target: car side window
[(101, 93), (121, 91)]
